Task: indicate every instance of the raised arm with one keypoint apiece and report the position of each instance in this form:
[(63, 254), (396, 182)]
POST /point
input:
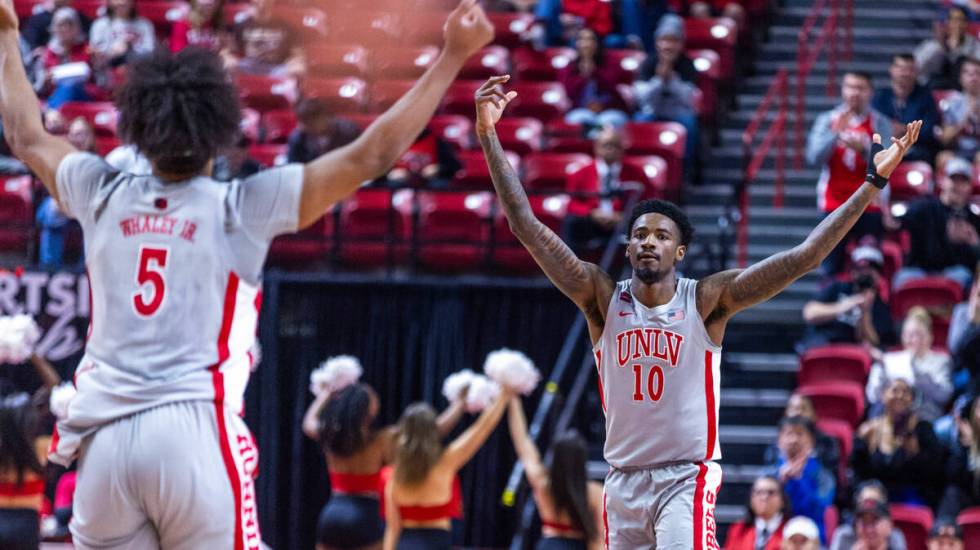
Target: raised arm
[(311, 420), (339, 173), (49, 376), (19, 108), (462, 449), (722, 295), (450, 417), (587, 285), (527, 451)]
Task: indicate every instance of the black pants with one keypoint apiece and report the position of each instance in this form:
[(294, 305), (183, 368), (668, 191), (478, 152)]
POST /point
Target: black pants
[(425, 539), (350, 521), (19, 529)]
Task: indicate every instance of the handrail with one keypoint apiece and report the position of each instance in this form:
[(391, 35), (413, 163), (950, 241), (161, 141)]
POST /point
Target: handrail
[(807, 55), (754, 157), (515, 481)]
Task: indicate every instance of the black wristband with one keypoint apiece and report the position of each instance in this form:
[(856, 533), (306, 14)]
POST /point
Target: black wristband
[(873, 177)]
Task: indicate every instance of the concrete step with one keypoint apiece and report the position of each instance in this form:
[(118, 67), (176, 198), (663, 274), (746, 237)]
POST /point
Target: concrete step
[(752, 407), (866, 15), (903, 36), (820, 68)]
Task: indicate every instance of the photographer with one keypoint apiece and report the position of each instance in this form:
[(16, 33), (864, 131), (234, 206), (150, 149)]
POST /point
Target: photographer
[(851, 311), (900, 449)]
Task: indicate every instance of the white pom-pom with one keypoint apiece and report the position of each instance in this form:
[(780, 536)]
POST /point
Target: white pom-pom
[(482, 392), (18, 336), (61, 396), (455, 383), (335, 374), (512, 369)]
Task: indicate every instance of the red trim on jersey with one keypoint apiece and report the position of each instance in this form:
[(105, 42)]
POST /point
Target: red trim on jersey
[(258, 303), (602, 393), (709, 397), (91, 306), (230, 467), (605, 519), (231, 293), (699, 507), (53, 447)]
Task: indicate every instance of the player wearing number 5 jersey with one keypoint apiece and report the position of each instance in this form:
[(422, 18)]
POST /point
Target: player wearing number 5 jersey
[(657, 341), (175, 262)]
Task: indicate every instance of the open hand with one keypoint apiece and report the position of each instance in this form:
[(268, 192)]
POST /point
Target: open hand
[(8, 16), (491, 101), (467, 29), (886, 161)]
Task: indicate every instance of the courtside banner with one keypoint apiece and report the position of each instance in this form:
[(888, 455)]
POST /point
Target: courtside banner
[(58, 301)]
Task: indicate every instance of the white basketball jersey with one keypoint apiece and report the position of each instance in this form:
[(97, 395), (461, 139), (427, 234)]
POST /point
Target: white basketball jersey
[(174, 273), (659, 381)]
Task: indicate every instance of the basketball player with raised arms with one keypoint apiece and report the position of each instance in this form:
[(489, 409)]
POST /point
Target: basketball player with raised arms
[(657, 342), (175, 262)]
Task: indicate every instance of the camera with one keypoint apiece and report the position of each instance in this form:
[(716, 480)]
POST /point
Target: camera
[(864, 282)]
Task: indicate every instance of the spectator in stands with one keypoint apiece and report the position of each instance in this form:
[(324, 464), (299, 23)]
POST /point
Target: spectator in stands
[(318, 131), (561, 19), (234, 162), (430, 161), (940, 57), (900, 449), (800, 533), (120, 34), (37, 29), (846, 536), (596, 206), (943, 231), (591, 85), (960, 133), (707, 9), (905, 101), (669, 40), (766, 514), (20, 473), (62, 70), (873, 527), (838, 144), (265, 45), (203, 25), (964, 334), (51, 222), (851, 311), (930, 371), (10, 166), (963, 466), (81, 134), (808, 485), (825, 447), (945, 535)]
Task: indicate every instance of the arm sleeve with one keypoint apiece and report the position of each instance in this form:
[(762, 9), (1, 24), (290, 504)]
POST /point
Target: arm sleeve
[(269, 201), (77, 179)]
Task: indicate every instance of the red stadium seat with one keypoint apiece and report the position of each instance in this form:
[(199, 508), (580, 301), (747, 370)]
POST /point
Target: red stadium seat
[(490, 61), (914, 521), (835, 363), (277, 125), (910, 180), (708, 64), (385, 93), (306, 246), (16, 213), (250, 124), (370, 29), (403, 63), (629, 62), (719, 35), (976, 184), (92, 9), (831, 519), (265, 93), (329, 60), (508, 252), (840, 400), (455, 129), (664, 139), (475, 175), (423, 28), (102, 115), (308, 23), (163, 14), (509, 27), (25, 8), (655, 169), (541, 66), (520, 135), (566, 138), (550, 171), (843, 433), (892, 252), (452, 230), (459, 98), (969, 521), (928, 292), (342, 95), (105, 144), (542, 100), (942, 98), (268, 155), (375, 227)]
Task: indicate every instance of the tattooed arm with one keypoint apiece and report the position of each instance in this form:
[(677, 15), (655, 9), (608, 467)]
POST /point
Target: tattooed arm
[(587, 285), (724, 294)]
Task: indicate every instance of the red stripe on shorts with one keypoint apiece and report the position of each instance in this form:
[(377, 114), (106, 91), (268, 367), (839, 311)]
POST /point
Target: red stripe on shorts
[(231, 293), (699, 507), (709, 398)]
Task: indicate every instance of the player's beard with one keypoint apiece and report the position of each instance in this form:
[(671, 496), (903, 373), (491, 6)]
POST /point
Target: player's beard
[(649, 276)]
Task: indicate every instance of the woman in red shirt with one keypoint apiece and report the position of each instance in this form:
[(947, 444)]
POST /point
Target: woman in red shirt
[(765, 516), (203, 25), (590, 82)]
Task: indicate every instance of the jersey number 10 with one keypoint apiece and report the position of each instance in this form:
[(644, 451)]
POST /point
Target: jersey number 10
[(654, 383), (151, 286)]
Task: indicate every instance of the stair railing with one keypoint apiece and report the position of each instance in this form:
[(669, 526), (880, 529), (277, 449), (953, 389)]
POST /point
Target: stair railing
[(753, 157)]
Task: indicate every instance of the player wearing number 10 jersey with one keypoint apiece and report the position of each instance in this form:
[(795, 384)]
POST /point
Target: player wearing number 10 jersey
[(175, 260), (657, 341)]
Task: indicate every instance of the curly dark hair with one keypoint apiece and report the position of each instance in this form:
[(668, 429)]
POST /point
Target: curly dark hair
[(342, 429), (178, 109), (667, 208)]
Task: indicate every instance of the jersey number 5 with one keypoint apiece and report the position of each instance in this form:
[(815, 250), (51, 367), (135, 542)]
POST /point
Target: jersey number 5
[(151, 286), (654, 383)]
